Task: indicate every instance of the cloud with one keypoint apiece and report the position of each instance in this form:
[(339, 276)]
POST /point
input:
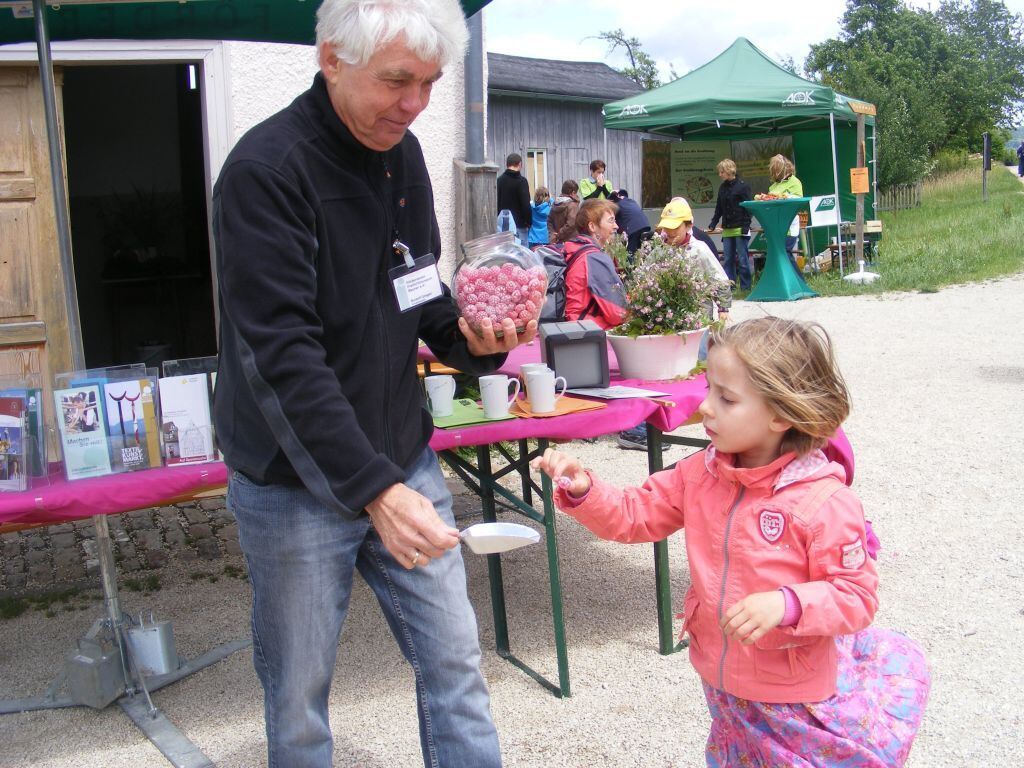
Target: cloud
[(681, 35)]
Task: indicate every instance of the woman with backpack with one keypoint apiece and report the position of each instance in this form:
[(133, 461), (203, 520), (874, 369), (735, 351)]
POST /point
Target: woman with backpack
[(593, 289), (562, 217)]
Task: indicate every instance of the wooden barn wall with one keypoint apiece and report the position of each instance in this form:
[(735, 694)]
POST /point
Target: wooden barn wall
[(571, 132)]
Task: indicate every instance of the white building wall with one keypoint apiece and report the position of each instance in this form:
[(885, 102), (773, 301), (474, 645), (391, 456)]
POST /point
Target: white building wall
[(266, 77)]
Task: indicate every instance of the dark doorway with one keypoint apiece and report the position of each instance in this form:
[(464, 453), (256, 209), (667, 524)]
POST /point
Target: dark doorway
[(137, 197)]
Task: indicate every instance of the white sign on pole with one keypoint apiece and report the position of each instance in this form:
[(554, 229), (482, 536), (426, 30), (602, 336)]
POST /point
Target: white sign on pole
[(824, 211)]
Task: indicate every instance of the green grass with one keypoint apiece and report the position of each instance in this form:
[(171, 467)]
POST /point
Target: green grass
[(72, 599), (953, 238)]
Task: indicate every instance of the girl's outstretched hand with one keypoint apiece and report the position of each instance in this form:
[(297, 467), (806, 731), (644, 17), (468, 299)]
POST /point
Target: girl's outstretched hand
[(752, 617), (565, 470)]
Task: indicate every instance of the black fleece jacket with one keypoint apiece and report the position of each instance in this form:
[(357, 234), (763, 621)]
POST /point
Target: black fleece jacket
[(728, 208), (514, 195), (317, 381)]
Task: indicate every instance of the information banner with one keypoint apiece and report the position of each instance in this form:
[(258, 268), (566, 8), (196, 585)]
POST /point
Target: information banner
[(693, 170), (752, 156), (824, 211)]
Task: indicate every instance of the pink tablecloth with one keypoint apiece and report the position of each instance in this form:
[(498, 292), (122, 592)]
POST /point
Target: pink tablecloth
[(60, 500), (619, 415)]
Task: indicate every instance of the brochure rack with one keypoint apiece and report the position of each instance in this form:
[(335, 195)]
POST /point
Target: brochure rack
[(110, 421)]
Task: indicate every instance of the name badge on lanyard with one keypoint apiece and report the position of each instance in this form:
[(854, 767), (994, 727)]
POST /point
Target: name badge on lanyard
[(417, 281)]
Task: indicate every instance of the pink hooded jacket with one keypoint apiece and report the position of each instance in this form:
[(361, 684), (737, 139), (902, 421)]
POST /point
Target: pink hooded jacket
[(754, 530)]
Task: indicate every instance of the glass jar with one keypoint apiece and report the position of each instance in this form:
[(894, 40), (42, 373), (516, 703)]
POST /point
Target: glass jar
[(498, 278)]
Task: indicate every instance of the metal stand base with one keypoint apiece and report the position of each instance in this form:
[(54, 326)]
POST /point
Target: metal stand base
[(136, 703)]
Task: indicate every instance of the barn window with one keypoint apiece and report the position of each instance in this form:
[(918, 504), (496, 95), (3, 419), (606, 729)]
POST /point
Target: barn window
[(536, 170)]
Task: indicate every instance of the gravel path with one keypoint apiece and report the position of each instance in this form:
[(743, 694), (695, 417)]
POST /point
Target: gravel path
[(938, 414)]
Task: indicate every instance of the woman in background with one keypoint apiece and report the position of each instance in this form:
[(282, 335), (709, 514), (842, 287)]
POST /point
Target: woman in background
[(735, 224), (562, 217), (786, 184)]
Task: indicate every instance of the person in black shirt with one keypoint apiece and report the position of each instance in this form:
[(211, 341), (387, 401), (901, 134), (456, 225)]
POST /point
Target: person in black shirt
[(318, 409), (514, 196)]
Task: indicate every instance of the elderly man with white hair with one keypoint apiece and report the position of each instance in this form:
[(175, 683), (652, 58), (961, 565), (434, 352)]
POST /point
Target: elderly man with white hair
[(318, 410)]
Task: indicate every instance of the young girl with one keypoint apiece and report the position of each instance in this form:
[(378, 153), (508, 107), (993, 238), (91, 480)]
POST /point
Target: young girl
[(782, 586), (541, 208)]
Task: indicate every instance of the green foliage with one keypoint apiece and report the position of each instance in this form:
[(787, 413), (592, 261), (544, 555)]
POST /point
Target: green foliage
[(939, 78), (948, 161), (953, 238), (641, 70)]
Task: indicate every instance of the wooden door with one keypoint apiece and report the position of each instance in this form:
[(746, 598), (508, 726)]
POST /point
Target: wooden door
[(33, 316)]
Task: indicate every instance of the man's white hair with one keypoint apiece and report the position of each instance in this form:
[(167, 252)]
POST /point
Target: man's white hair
[(434, 30)]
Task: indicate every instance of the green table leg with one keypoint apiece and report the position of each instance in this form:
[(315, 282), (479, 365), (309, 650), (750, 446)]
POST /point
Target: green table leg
[(497, 582), (662, 573), (555, 577), (487, 487)]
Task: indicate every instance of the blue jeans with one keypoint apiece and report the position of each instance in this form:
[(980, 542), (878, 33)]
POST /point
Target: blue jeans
[(302, 557), (736, 260)]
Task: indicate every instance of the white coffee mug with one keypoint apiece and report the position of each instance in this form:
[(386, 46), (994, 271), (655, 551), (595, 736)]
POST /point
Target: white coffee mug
[(542, 389), (524, 371), (494, 395), (440, 394)]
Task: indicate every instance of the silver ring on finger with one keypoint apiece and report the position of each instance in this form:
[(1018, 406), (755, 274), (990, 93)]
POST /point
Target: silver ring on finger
[(416, 557)]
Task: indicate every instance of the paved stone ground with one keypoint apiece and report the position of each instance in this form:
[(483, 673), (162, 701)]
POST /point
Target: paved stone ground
[(40, 560)]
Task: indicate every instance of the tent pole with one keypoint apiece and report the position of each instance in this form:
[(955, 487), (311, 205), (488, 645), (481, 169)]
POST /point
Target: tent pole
[(874, 171), (835, 181), (108, 577), (60, 200)]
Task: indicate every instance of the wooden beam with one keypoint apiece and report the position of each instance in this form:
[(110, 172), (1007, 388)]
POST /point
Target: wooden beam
[(17, 189), (21, 334)]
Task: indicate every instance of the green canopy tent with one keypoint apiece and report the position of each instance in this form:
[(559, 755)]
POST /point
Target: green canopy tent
[(742, 94), (269, 21), (40, 21)]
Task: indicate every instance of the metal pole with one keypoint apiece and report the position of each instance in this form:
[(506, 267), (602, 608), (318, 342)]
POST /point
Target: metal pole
[(874, 171), (861, 161), (60, 200), (108, 575), (474, 91), (835, 181)]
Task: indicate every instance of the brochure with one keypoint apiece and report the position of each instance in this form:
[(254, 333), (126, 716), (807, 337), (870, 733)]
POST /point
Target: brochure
[(82, 431), (132, 424), (185, 419), (35, 432), (13, 467)]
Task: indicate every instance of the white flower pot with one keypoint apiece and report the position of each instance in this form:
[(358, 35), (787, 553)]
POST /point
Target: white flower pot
[(657, 357)]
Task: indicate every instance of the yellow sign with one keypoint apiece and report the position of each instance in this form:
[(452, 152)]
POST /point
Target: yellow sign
[(859, 181), (862, 108)]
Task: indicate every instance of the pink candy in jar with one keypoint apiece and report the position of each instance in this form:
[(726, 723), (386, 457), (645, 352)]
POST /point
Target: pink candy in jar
[(501, 280)]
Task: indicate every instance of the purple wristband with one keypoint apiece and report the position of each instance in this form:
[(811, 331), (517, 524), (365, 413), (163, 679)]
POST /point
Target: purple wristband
[(793, 610)]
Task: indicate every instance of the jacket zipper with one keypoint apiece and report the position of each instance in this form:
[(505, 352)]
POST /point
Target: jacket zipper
[(382, 297), (725, 576)]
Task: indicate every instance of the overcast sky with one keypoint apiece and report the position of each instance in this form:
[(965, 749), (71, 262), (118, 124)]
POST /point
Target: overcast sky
[(684, 34)]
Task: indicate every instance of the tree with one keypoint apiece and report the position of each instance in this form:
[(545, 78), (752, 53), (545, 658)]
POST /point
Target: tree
[(939, 79), (641, 70)]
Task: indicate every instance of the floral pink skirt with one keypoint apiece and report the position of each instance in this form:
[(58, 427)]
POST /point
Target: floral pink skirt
[(870, 722)]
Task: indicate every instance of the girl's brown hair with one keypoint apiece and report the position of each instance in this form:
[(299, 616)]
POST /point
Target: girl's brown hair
[(792, 366), (541, 195), (591, 211)]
